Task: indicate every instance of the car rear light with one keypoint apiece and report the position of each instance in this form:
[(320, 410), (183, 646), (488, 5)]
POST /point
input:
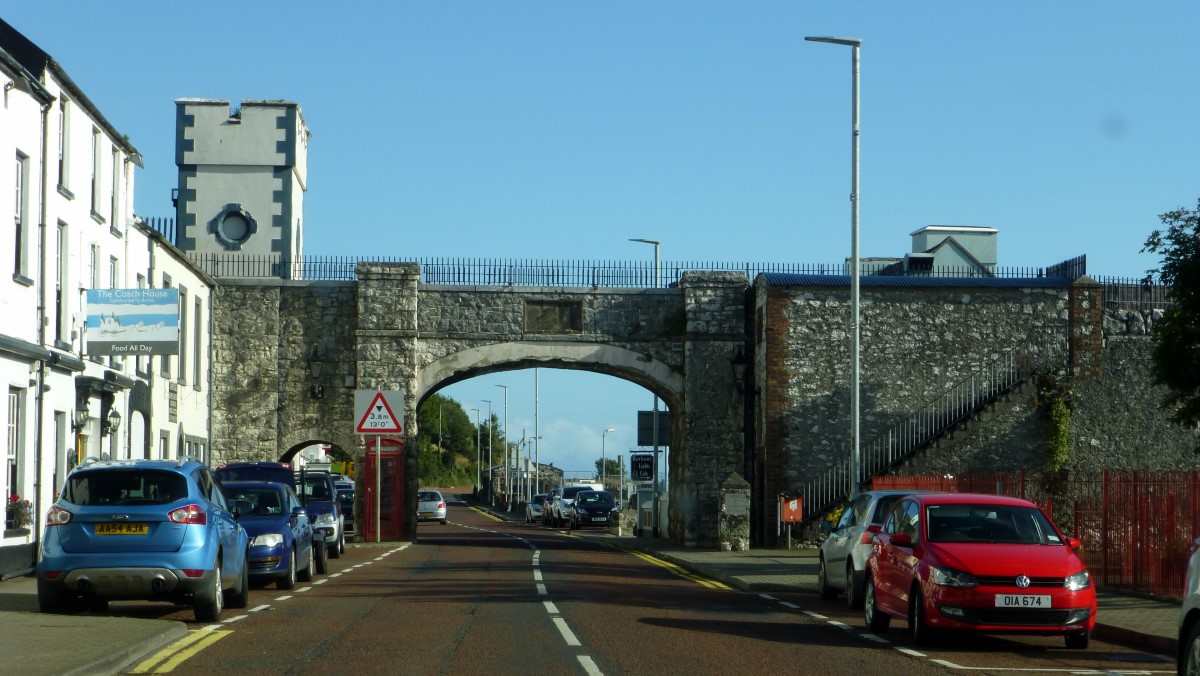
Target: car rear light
[(868, 535), (193, 514), (441, 505), (57, 516), (193, 572), (51, 574)]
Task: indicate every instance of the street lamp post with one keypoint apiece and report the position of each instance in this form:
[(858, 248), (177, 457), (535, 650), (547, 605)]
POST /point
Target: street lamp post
[(603, 461), (507, 465), (855, 452), (491, 457), (478, 452), (654, 417)]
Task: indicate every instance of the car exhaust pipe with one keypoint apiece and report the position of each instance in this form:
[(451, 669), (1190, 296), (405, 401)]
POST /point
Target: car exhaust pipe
[(158, 585), (85, 586)]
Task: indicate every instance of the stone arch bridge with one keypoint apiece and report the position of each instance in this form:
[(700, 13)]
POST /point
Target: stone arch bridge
[(389, 331)]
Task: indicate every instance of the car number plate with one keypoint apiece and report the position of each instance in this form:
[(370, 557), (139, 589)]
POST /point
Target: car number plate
[(424, 513), (122, 529), (599, 518), (1021, 601)]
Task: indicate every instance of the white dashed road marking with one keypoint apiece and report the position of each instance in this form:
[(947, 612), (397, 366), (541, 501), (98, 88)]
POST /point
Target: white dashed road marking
[(566, 632)]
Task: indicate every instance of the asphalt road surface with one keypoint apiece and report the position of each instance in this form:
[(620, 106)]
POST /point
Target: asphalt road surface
[(481, 596)]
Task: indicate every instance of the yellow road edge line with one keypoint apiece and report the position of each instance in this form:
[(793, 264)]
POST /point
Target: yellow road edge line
[(486, 513), (183, 655), (676, 569), (146, 665)]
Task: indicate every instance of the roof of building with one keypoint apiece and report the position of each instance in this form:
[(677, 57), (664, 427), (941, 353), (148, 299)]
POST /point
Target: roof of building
[(38, 62)]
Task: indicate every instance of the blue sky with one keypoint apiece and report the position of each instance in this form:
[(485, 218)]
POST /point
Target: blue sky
[(560, 129)]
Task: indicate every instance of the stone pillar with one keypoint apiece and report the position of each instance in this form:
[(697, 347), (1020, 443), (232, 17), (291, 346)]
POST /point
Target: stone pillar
[(712, 422), (1086, 327), (386, 338), (733, 521)]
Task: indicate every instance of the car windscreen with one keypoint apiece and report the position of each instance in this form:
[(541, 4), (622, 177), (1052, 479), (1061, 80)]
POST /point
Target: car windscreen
[(998, 524), (597, 499), (125, 487), (316, 488), (279, 474), (258, 501), (570, 492), (428, 496)]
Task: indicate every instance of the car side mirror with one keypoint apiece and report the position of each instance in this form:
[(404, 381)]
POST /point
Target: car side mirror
[(299, 512), (902, 540), (826, 527), (1074, 543)]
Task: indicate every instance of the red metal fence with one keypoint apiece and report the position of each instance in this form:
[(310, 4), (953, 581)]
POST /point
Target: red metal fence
[(1137, 528)]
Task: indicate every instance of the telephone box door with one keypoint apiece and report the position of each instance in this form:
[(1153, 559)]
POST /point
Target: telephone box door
[(385, 464)]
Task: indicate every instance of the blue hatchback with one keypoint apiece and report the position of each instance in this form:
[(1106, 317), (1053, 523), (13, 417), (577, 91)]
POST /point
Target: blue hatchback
[(281, 536), (156, 530)]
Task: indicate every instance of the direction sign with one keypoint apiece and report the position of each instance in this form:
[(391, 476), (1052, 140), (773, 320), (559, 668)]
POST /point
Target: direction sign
[(641, 466), (374, 411)]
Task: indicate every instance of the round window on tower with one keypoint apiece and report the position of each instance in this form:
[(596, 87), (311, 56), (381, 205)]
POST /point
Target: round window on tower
[(233, 226)]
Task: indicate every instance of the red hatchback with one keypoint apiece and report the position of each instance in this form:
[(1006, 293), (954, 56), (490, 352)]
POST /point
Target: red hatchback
[(984, 563)]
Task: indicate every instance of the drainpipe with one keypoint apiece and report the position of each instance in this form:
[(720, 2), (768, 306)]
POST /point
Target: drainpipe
[(38, 433)]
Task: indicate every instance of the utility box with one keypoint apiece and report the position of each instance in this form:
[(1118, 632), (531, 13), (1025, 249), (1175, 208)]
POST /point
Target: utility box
[(645, 512)]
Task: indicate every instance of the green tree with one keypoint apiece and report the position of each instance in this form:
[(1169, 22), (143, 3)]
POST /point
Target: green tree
[(609, 470), (445, 442), (1177, 335)]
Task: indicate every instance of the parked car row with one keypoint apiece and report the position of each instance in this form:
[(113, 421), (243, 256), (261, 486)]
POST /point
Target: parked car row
[(573, 506), (176, 530), (950, 561)]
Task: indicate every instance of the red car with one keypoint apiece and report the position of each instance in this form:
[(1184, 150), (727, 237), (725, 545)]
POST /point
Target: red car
[(984, 563)]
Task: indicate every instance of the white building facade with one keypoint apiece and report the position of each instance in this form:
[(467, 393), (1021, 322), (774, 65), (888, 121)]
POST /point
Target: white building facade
[(66, 202)]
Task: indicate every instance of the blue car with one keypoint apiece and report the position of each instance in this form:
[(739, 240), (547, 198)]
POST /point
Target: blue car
[(153, 530), (281, 536), (315, 488)]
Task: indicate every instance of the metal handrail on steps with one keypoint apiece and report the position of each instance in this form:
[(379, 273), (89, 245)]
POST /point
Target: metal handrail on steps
[(956, 405)]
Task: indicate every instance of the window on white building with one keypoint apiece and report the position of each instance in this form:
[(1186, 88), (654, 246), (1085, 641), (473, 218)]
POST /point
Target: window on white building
[(94, 267), (114, 216), (197, 362), (21, 219), (96, 175), (61, 314), (64, 141), (12, 455), (183, 334), (164, 361)]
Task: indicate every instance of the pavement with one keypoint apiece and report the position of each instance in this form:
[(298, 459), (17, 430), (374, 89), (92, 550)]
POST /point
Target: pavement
[(35, 644)]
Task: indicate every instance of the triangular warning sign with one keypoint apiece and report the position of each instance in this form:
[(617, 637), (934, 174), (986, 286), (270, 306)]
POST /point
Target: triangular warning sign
[(379, 418)]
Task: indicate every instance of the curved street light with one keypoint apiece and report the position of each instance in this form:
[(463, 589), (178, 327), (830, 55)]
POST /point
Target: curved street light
[(603, 462)]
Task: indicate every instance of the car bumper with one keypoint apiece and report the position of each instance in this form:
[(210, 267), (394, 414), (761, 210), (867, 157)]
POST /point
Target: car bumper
[(975, 609), (431, 516), (128, 582)]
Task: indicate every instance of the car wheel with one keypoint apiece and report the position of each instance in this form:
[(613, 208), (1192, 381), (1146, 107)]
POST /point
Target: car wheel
[(853, 587), (823, 587), (1080, 640), (1189, 652), (322, 557), (443, 522), (305, 574), (53, 598), (239, 597), (209, 601), (918, 622), (334, 549), (877, 620), (288, 579)]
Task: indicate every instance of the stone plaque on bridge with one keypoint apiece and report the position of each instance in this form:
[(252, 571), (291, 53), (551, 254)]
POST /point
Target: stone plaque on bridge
[(550, 316)]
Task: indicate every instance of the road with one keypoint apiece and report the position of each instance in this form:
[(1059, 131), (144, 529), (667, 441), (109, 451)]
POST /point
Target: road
[(482, 596)]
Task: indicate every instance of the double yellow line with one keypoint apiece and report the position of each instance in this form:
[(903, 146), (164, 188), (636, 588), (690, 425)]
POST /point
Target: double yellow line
[(165, 660), (674, 569)]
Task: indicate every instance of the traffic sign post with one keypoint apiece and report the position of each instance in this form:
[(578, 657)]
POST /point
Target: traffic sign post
[(374, 413)]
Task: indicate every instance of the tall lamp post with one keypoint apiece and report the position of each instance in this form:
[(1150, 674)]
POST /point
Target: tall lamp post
[(478, 453), (855, 452), (603, 462), (507, 464), (654, 417), (491, 457)]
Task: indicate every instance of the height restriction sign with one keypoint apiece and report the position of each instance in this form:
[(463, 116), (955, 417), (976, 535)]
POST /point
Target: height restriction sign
[(375, 411)]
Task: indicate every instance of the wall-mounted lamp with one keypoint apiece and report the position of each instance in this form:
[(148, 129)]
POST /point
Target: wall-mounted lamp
[(738, 364), (111, 422), (81, 416), (315, 364)]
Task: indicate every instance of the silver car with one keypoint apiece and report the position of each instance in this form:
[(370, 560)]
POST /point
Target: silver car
[(431, 506), (533, 509), (844, 553)]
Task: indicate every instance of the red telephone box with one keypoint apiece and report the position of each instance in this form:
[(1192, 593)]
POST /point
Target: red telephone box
[(385, 460)]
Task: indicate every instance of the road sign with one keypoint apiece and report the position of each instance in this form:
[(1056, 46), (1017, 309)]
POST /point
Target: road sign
[(645, 428), (641, 467), (374, 411)]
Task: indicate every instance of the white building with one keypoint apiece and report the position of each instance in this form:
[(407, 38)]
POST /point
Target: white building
[(67, 226)]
